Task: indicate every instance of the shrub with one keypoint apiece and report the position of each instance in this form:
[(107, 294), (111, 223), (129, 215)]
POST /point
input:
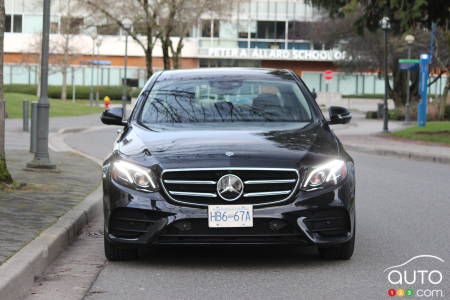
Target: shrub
[(447, 112), (371, 114), (364, 96), (393, 115)]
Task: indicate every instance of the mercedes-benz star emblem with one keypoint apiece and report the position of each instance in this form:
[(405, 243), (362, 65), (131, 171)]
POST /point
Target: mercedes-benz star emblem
[(229, 153), (230, 187)]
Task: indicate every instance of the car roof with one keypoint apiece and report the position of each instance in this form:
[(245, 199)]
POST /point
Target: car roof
[(231, 73)]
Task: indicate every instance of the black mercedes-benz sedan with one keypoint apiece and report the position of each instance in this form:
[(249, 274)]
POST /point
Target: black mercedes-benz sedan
[(228, 156)]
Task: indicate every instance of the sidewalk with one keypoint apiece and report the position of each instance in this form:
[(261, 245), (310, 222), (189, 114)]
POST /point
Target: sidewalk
[(46, 195), (40, 218), (365, 136)]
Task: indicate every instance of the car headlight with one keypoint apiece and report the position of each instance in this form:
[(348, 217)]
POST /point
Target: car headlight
[(133, 176), (324, 175)]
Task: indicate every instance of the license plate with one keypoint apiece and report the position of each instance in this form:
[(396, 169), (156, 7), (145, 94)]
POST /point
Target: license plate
[(230, 216)]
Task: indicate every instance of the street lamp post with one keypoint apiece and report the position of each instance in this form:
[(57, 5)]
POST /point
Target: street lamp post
[(97, 92), (91, 90), (385, 25), (409, 39), (41, 157), (127, 23)]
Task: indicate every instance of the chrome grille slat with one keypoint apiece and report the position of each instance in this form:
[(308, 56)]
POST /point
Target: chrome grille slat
[(198, 186), (270, 181), (206, 195), (265, 194), (190, 181)]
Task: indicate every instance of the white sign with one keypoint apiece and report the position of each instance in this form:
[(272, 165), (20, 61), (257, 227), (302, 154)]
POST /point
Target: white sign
[(278, 54), (230, 216)]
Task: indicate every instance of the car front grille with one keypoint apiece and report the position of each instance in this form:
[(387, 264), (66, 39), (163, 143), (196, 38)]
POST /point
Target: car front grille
[(264, 231), (199, 186)]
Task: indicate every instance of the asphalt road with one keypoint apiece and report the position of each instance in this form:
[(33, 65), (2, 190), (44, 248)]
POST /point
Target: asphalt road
[(402, 211)]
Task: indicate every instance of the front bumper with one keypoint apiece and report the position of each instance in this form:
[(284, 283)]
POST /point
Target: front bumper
[(322, 218)]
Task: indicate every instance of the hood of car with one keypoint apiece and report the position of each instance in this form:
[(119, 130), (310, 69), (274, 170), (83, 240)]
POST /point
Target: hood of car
[(239, 145)]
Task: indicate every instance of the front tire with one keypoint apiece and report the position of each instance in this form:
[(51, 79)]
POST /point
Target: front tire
[(341, 252), (114, 253)]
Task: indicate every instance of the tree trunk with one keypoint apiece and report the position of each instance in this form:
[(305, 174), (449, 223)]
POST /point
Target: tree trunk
[(5, 177), (176, 61), (398, 92), (149, 61), (444, 97), (165, 45), (176, 54), (64, 83)]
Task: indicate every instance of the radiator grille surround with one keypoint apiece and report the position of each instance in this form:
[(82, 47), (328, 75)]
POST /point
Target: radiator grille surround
[(198, 186)]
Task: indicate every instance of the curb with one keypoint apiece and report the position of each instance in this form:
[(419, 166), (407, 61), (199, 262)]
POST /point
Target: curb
[(19, 271), (399, 154)]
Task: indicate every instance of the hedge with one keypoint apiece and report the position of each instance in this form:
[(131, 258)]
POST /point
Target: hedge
[(398, 115), (364, 96), (81, 92), (374, 96)]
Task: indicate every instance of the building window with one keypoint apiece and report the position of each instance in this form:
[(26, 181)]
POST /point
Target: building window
[(298, 30), (13, 23), (210, 28), (270, 30), (17, 23), (8, 23), (70, 25), (108, 29), (140, 28), (53, 27), (245, 27)]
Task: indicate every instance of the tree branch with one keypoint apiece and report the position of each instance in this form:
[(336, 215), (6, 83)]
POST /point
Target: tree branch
[(93, 4)]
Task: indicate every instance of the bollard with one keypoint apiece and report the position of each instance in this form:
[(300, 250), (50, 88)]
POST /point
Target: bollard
[(33, 131), (25, 114), (380, 111)]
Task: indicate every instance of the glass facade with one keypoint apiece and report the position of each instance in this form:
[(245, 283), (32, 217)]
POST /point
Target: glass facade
[(267, 24), (218, 63)]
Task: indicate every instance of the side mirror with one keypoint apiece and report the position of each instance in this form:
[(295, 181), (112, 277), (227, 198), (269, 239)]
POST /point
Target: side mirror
[(113, 116), (339, 115)]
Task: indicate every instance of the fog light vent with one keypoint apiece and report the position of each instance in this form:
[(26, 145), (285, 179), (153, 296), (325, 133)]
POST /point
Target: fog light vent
[(328, 223), (183, 225), (276, 225)]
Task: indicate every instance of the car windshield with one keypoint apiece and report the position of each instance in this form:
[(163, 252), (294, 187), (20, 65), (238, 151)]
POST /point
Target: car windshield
[(225, 100)]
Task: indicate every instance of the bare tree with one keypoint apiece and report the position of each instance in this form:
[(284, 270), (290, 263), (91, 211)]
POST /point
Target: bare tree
[(63, 46), (143, 13), (159, 20), (62, 50), (5, 177), (177, 19)]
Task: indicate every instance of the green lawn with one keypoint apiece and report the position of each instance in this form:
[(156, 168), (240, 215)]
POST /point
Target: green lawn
[(58, 108), (438, 132)]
